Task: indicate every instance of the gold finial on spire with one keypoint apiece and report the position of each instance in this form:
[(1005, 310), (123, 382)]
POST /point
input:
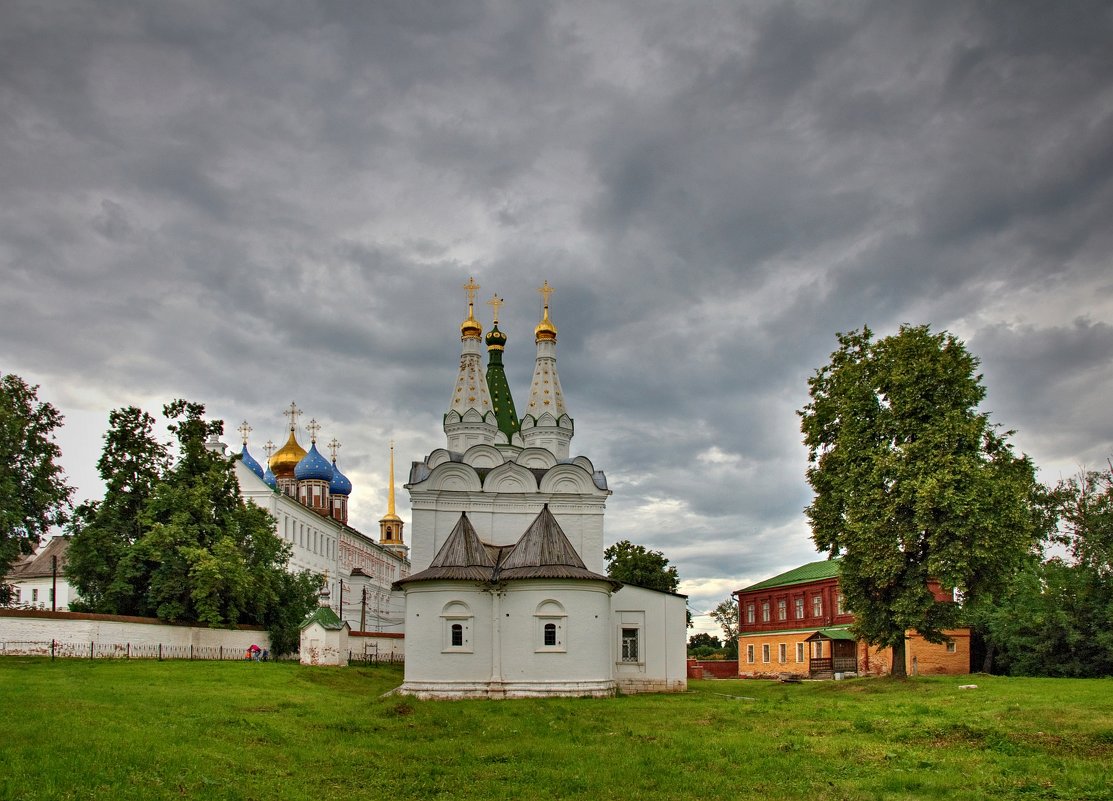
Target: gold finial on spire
[(545, 329), (333, 447), (244, 430), (495, 302), (390, 503), (269, 449), (313, 427), (470, 327), (293, 412)]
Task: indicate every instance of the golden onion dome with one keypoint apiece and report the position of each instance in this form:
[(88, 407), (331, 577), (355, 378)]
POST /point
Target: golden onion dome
[(470, 328), (286, 458), (545, 329)]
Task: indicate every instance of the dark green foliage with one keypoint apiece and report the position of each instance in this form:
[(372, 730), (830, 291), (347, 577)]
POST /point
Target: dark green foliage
[(33, 491), (633, 564), (704, 640), (912, 483), (726, 615), (177, 542), (1056, 618)]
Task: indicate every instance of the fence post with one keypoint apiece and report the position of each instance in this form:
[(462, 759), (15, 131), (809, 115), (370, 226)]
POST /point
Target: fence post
[(191, 652), (160, 652), (129, 651), (92, 653), (222, 647), (52, 650)]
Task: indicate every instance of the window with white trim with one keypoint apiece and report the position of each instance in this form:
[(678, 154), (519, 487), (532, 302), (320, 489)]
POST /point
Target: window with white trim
[(764, 611), (630, 642), (800, 608), (456, 627), (765, 652), (749, 613), (551, 621), (782, 653), (840, 603), (952, 647), (750, 654), (817, 606), (782, 609), (799, 652)]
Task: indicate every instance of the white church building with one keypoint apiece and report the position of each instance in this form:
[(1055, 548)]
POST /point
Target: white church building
[(507, 597)]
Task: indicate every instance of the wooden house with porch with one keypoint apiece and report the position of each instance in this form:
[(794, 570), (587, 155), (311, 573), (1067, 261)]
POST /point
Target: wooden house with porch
[(796, 623)]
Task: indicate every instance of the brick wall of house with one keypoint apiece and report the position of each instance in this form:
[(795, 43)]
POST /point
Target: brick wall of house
[(759, 668)]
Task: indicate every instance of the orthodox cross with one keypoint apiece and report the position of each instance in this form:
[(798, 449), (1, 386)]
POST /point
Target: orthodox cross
[(293, 413), (244, 430), (471, 288), (495, 302), (313, 427), (333, 447), (269, 449), (545, 291)]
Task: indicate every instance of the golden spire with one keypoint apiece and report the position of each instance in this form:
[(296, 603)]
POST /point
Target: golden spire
[(244, 430), (390, 525), (545, 329), (470, 327), (495, 303)]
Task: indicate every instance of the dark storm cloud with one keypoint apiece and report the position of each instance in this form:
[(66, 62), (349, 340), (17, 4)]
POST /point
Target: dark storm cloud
[(247, 204)]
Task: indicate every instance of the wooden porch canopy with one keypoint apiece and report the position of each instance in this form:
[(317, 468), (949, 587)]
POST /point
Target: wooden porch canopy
[(834, 633)]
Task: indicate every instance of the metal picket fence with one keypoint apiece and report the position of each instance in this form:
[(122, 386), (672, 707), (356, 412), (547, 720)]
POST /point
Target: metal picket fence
[(57, 649)]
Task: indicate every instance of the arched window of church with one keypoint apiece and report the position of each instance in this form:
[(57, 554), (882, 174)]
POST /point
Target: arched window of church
[(457, 622), (457, 635), (551, 621)]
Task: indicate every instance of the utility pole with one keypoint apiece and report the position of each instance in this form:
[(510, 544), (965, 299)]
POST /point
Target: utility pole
[(54, 583), (363, 610)]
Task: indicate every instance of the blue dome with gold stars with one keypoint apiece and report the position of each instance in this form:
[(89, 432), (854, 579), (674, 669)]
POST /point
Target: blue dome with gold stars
[(313, 466), (250, 463), (339, 485)]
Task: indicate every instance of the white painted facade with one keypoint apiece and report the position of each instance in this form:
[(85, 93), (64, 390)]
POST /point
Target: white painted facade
[(324, 545), (548, 633)]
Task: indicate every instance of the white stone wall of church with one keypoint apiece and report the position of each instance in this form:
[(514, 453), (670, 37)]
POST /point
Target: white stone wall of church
[(501, 520), (79, 631), (35, 592), (429, 657), (584, 632), (662, 619)]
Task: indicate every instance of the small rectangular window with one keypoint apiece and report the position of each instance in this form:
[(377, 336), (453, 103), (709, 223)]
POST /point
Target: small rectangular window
[(817, 649), (764, 611), (782, 609), (457, 635), (765, 652), (800, 608), (749, 613), (799, 652), (817, 606), (840, 604), (750, 654), (782, 653), (952, 647), (34, 596), (550, 634), (630, 645)]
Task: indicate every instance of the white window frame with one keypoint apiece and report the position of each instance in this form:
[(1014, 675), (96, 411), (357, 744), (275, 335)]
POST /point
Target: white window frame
[(800, 608), (782, 653), (765, 653), (952, 647), (750, 613), (456, 613), (750, 653), (799, 652), (628, 633), (550, 612), (817, 606), (765, 616)]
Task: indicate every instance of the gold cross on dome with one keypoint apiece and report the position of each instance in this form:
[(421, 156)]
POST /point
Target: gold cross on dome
[(471, 288), (495, 302), (313, 427), (333, 447), (545, 291), (293, 412), (269, 449), (244, 430)]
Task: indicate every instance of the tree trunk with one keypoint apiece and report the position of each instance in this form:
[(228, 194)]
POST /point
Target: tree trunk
[(898, 670), (987, 663)]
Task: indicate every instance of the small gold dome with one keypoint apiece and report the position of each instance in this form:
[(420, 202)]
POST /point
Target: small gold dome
[(470, 328), (286, 458), (545, 329)]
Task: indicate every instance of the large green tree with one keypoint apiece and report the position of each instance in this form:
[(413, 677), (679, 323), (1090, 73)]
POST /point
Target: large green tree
[(33, 491), (635, 564), (726, 615), (1056, 618), (187, 548), (131, 465), (912, 483)]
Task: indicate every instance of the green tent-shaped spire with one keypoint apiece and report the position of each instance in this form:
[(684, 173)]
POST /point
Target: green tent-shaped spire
[(501, 399)]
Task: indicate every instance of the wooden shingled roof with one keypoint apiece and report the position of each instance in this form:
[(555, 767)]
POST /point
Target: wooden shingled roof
[(543, 551)]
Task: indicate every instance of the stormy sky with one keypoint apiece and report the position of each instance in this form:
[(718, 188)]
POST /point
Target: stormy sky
[(246, 204)]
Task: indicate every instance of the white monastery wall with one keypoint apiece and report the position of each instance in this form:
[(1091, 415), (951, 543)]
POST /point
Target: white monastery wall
[(431, 609), (78, 630)]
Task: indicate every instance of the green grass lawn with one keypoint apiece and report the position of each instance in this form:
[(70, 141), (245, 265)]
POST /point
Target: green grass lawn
[(226, 730)]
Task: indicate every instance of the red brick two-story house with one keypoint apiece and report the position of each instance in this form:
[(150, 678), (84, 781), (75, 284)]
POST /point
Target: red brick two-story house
[(796, 623)]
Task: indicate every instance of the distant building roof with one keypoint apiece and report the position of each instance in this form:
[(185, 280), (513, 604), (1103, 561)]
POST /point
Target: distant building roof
[(813, 571), (38, 566), (326, 618)]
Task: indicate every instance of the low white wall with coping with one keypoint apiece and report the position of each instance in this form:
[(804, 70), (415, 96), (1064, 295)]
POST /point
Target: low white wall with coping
[(25, 631)]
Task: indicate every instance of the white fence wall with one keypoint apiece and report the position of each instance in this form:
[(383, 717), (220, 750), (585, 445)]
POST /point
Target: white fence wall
[(76, 634)]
